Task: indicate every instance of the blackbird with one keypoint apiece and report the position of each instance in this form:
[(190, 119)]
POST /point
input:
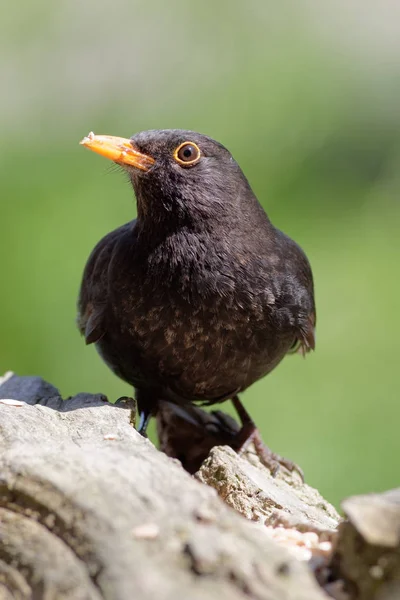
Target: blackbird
[(201, 295)]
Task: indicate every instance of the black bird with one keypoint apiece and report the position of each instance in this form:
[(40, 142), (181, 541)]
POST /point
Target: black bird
[(201, 295)]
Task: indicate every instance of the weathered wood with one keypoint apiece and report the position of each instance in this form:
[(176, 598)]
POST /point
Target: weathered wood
[(367, 555), (243, 482), (90, 509), (247, 486)]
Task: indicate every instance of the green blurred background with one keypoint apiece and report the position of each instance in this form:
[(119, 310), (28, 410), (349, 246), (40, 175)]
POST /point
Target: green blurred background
[(307, 98)]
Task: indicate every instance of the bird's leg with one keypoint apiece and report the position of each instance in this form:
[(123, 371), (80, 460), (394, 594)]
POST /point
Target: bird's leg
[(249, 434), (147, 405), (144, 420)]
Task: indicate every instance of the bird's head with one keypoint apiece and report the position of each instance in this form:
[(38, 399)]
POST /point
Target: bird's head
[(177, 175)]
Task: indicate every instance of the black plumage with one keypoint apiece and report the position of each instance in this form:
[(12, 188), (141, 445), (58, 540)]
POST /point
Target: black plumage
[(201, 295)]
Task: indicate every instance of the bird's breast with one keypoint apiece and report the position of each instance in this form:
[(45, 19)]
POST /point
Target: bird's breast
[(191, 316), (199, 346)]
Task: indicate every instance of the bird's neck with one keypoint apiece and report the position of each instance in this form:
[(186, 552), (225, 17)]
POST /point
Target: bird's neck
[(172, 230), (179, 259), (156, 229)]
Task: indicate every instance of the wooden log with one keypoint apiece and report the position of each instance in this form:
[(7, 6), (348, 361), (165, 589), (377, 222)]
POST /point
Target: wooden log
[(89, 509), (367, 553)]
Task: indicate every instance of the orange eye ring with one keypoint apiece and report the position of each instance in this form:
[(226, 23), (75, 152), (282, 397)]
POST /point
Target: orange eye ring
[(187, 154)]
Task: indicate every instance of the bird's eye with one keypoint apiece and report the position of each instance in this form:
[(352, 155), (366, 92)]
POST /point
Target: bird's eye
[(187, 154)]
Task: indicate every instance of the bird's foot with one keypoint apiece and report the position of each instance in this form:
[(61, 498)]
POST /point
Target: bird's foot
[(249, 434), (125, 402), (270, 459), (129, 403)]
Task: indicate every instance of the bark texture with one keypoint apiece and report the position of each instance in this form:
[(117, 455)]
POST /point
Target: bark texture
[(91, 510)]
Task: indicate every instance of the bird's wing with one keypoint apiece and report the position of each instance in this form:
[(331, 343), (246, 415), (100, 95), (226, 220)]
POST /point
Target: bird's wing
[(305, 342), (93, 296), (307, 316), (294, 295)]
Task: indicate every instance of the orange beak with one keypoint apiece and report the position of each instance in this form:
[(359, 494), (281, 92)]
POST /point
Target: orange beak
[(120, 150)]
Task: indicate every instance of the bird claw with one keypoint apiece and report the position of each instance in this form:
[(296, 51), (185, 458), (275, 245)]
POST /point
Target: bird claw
[(271, 460), (250, 434), (125, 402)]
